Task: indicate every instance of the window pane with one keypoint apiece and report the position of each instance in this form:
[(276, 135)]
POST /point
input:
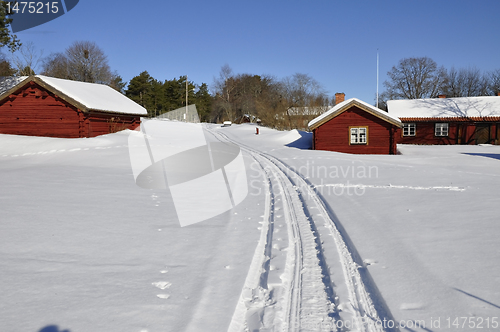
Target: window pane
[(354, 135), (441, 129), (359, 135), (362, 135), (409, 129)]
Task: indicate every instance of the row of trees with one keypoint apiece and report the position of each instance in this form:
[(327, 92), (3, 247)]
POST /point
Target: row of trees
[(287, 103), (416, 78), (159, 97)]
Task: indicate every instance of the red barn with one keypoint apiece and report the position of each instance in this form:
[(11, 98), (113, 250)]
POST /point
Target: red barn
[(464, 120), (46, 106), (354, 126)]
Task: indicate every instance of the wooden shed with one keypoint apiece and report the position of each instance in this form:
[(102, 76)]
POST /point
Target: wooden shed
[(353, 126), (464, 120), (46, 106)]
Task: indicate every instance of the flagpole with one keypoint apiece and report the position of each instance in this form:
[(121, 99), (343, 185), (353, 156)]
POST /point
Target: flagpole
[(377, 77), (186, 116)]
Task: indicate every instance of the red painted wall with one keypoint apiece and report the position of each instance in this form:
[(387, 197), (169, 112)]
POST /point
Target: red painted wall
[(34, 111), (465, 135), (334, 135), (101, 124)]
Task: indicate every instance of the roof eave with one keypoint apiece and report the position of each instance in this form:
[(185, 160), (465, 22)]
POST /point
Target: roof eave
[(16, 87), (451, 119), (345, 107), (61, 94), (90, 110)]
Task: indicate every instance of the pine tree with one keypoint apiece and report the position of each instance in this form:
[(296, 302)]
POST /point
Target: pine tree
[(140, 90), (6, 37)]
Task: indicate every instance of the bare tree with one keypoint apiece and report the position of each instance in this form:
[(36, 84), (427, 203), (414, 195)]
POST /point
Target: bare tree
[(289, 103), (87, 63), (222, 89), (467, 82), (415, 78), (304, 98), (494, 82), (56, 65), (27, 59)]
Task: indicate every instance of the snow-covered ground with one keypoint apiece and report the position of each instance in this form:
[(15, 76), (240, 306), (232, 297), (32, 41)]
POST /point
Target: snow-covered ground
[(411, 238)]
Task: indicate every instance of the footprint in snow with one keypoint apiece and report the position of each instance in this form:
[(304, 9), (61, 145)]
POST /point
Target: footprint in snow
[(162, 284), (412, 306), (369, 261), (163, 296)]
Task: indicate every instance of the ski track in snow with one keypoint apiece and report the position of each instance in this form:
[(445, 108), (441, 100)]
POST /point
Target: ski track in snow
[(304, 301), (389, 186)]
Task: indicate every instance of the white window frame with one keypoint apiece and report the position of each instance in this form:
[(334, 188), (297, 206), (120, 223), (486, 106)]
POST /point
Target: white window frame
[(410, 129), (441, 129), (358, 135)]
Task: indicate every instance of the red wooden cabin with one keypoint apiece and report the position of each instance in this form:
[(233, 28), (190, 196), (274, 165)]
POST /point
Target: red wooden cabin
[(465, 120), (47, 106), (353, 126)]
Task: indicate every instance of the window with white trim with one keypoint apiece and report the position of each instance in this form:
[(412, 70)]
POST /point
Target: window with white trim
[(441, 129), (359, 135), (409, 129)]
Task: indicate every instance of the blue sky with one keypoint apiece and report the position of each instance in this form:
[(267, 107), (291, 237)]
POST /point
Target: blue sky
[(334, 42)]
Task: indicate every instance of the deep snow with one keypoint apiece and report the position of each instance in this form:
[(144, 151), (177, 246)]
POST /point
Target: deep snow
[(82, 247)]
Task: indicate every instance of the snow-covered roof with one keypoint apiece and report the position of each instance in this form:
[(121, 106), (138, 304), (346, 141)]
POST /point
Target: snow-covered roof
[(345, 105), (86, 96), (8, 82), (445, 107)]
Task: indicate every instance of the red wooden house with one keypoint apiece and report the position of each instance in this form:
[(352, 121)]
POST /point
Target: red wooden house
[(465, 120), (353, 126), (46, 106)]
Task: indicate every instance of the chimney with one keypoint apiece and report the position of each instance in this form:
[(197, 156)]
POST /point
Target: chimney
[(442, 96), (339, 97)]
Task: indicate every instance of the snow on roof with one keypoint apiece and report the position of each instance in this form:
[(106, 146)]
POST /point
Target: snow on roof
[(8, 82), (88, 96), (343, 106), (445, 107), (94, 96)]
